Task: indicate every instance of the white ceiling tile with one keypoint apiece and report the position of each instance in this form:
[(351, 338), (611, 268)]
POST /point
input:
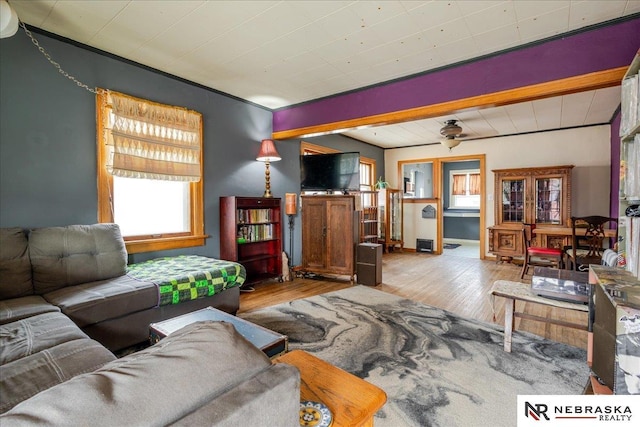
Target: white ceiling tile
[(324, 71), (81, 21), (501, 15), (469, 7), (499, 120), (341, 23), (458, 50), (362, 40), (143, 23), (544, 25), (305, 39), (333, 51), (633, 6), (497, 39), (526, 9), (548, 113), (446, 33), (34, 13), (374, 12), (604, 102), (318, 9), (434, 13), (575, 108), (400, 48), (585, 13), (278, 21), (397, 28), (522, 116)]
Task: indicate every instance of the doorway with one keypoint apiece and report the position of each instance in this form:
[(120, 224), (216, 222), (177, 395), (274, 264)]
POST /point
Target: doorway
[(462, 219)]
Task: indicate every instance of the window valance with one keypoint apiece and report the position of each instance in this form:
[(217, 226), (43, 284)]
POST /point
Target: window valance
[(150, 140)]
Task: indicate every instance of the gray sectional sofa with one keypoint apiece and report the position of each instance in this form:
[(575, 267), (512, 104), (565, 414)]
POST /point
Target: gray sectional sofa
[(81, 270), (66, 302)]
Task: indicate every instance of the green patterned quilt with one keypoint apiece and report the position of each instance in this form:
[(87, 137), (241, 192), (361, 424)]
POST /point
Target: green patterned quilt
[(188, 277)]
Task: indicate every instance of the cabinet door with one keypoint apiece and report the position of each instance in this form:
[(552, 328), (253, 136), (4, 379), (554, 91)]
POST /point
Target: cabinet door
[(339, 240), (548, 192), (513, 208), (395, 210), (314, 233)]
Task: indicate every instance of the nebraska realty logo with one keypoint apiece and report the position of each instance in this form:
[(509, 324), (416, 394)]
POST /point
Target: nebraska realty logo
[(583, 410)]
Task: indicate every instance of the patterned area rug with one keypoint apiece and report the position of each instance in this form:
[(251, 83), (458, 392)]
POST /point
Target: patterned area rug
[(437, 369)]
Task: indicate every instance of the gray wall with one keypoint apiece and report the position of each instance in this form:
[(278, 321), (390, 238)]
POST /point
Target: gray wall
[(48, 137)]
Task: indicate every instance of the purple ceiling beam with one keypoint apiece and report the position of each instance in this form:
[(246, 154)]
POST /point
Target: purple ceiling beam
[(598, 49)]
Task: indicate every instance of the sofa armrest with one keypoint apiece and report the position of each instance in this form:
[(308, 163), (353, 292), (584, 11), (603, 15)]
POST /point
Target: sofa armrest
[(158, 385)]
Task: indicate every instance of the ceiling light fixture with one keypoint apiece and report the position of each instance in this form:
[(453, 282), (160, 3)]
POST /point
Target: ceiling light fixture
[(450, 131), (8, 20)]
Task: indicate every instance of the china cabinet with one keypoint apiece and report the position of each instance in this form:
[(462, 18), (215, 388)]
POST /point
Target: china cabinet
[(539, 196), (390, 205)]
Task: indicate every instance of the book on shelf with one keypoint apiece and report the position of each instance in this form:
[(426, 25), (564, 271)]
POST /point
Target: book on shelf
[(252, 216)]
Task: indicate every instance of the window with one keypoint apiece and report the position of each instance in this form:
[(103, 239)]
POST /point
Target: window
[(367, 172), (149, 172), (367, 165), (464, 189)]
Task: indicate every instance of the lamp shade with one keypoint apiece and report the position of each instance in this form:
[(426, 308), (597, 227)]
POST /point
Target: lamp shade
[(8, 20), (450, 142), (268, 152)]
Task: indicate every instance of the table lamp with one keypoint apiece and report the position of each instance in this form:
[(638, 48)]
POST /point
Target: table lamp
[(267, 154)]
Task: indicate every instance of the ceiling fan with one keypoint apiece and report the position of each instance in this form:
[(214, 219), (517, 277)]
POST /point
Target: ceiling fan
[(451, 130)]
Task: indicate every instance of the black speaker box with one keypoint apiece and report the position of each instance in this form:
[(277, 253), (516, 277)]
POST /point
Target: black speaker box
[(369, 253), (369, 264)]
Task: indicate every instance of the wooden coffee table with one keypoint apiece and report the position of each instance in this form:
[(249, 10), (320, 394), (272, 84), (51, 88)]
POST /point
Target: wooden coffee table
[(352, 401)]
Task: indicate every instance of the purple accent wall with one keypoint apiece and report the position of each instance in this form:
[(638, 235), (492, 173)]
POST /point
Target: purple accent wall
[(614, 206), (595, 50)]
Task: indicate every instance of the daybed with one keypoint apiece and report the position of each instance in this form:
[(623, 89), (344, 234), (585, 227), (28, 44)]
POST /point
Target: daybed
[(82, 271)]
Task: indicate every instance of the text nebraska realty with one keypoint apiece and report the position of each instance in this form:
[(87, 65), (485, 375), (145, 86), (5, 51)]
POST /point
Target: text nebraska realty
[(599, 412)]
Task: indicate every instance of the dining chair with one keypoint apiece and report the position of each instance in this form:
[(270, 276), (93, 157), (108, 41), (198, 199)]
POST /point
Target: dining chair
[(588, 240), (536, 255)]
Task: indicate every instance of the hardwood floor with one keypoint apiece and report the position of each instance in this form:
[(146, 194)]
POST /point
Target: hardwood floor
[(460, 285)]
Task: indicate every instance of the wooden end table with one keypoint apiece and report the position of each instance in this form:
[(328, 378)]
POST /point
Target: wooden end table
[(352, 400)]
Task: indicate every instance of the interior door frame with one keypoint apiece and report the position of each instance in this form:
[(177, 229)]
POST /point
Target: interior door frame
[(483, 202)]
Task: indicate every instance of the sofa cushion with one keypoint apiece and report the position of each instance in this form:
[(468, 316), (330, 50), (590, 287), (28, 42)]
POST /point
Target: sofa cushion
[(95, 302), (155, 386), (33, 334), (25, 377), (15, 266), (67, 256), (19, 308), (245, 404)]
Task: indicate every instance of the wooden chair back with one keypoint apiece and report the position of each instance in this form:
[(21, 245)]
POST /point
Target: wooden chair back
[(588, 248)]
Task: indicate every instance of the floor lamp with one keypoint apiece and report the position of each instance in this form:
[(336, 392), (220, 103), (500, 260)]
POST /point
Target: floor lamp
[(290, 210)]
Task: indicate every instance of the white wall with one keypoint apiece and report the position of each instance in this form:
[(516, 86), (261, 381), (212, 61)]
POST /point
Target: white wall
[(586, 148)]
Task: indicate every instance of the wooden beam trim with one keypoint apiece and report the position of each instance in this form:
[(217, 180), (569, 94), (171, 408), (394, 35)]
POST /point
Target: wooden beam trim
[(569, 85)]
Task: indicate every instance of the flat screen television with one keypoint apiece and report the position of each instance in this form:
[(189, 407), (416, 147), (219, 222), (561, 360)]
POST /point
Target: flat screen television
[(330, 172)]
